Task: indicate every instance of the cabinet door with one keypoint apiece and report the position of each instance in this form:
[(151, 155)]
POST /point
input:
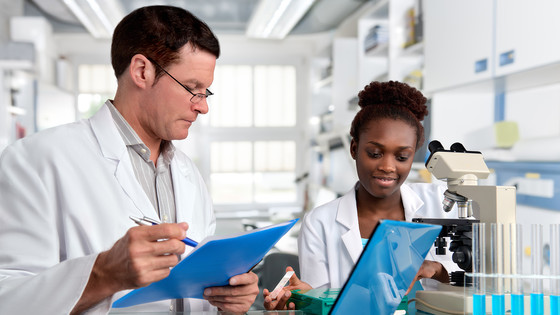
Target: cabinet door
[(526, 34), (458, 41)]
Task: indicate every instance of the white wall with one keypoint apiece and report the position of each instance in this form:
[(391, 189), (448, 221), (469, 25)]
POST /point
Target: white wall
[(7, 9), (536, 110), (5, 119)]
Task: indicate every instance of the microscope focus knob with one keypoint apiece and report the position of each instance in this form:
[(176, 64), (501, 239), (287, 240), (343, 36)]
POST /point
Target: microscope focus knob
[(463, 258), (440, 245)]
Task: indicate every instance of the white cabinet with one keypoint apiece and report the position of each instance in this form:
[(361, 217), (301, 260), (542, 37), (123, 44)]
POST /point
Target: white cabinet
[(470, 42), (526, 34), (457, 43)]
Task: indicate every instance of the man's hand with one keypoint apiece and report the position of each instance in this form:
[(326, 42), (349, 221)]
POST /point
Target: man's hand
[(280, 302), (238, 296), (431, 270), (143, 255)]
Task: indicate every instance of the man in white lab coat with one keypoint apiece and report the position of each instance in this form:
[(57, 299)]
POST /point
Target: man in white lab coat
[(67, 244)]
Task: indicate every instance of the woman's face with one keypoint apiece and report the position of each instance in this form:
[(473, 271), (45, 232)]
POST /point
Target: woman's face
[(384, 156)]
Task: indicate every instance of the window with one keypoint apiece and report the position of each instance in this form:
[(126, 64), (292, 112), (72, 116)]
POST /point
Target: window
[(253, 149), (253, 172), (253, 96), (97, 83)]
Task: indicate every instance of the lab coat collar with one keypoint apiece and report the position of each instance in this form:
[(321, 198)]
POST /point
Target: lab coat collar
[(111, 144), (113, 148), (411, 202), (347, 216)]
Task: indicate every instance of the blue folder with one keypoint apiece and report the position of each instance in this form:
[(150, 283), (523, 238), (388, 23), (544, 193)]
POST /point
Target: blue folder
[(386, 268), (210, 264)]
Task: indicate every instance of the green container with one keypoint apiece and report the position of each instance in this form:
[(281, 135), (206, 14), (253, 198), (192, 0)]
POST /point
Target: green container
[(314, 301), (403, 306), (320, 301)]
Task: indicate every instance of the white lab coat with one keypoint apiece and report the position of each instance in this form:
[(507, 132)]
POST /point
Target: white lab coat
[(66, 194), (330, 243)]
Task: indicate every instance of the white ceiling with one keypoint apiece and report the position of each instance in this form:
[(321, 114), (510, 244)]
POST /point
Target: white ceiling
[(223, 16)]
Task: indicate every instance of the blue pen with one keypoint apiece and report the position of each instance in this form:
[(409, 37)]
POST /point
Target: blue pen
[(148, 221)]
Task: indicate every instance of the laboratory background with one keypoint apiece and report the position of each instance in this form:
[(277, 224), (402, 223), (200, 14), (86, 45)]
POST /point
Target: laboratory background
[(275, 142)]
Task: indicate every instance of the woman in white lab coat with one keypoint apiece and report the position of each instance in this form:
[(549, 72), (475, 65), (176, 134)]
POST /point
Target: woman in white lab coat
[(386, 133)]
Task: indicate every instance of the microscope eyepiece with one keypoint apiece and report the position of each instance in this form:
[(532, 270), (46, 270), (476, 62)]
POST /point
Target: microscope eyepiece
[(435, 146), (458, 147)]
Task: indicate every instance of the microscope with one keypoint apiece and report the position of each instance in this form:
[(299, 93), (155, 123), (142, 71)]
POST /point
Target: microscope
[(462, 169)]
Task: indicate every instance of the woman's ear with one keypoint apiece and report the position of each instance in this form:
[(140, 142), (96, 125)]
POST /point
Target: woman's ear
[(353, 148)]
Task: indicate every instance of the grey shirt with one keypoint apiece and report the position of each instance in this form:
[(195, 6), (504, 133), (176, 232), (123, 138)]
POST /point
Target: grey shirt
[(156, 181)]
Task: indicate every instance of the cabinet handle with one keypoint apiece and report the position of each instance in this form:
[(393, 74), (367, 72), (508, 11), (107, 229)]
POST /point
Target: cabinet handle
[(507, 58), (481, 65)]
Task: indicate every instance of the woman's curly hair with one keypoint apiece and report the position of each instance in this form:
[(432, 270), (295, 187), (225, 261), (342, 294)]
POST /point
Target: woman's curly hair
[(394, 100)]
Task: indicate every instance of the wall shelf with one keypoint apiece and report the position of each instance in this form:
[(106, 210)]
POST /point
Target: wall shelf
[(537, 183), (323, 82), (18, 111), (380, 50), (413, 50)]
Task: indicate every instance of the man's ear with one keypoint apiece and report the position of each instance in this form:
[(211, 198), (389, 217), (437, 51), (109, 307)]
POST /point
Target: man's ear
[(141, 71), (353, 148)]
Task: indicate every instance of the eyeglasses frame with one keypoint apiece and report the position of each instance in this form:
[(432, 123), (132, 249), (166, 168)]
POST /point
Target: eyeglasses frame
[(196, 97)]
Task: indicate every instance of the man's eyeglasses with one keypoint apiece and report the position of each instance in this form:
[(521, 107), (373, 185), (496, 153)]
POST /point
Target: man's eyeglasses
[(196, 97)]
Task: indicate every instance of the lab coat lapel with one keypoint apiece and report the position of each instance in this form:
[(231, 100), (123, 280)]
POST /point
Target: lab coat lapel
[(184, 191), (347, 216), (113, 148), (411, 203)]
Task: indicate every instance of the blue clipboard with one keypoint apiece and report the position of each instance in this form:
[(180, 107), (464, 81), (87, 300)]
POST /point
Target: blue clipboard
[(386, 268), (210, 264)]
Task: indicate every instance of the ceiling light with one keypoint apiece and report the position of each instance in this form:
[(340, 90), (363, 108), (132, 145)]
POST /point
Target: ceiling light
[(276, 18), (99, 17)]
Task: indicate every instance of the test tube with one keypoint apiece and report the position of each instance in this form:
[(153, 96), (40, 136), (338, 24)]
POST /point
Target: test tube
[(517, 303), (497, 268), (479, 269), (537, 298), (555, 268)]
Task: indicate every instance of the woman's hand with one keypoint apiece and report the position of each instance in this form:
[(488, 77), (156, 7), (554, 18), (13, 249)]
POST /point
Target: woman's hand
[(431, 270), (279, 303)]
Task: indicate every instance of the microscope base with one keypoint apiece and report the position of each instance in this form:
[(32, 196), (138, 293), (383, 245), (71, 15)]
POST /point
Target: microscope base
[(457, 300)]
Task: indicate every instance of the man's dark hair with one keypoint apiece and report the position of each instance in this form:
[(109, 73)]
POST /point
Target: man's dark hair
[(159, 32)]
